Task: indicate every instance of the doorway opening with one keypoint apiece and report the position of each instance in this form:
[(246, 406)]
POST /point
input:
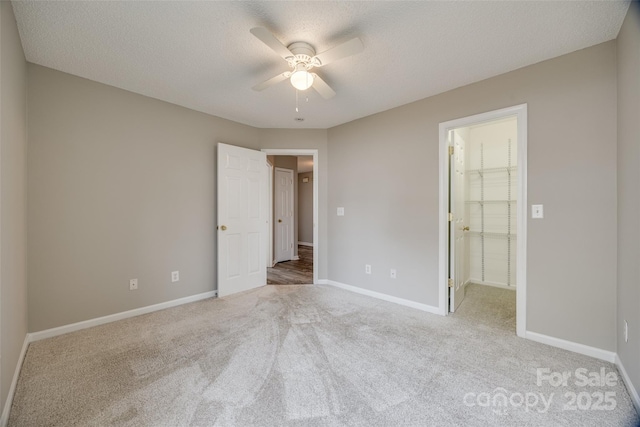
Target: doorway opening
[(483, 209), (293, 193)]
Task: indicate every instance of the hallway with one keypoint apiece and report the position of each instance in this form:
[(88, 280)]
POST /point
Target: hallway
[(298, 272)]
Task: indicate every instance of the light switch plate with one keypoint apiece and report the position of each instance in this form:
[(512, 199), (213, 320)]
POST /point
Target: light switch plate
[(340, 211), (537, 211)]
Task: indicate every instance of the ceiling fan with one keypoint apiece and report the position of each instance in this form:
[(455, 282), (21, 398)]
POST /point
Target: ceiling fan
[(302, 58)]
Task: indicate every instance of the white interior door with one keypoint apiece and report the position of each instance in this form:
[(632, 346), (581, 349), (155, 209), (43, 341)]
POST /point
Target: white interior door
[(457, 226), (242, 219), (283, 220)]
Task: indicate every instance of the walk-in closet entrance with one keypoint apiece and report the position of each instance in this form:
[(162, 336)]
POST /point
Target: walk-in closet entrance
[(484, 172), (490, 202)]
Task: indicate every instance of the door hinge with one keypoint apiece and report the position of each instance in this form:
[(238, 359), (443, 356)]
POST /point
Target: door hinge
[(451, 283), (450, 216), (451, 150)]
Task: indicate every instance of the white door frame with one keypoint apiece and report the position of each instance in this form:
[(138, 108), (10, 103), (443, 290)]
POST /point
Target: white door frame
[(270, 262), (457, 237), (316, 223), (520, 112)]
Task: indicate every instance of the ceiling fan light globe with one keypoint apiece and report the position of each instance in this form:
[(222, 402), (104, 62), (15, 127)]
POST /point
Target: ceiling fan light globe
[(301, 79)]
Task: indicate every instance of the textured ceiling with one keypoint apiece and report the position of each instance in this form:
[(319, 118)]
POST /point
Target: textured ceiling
[(201, 55)]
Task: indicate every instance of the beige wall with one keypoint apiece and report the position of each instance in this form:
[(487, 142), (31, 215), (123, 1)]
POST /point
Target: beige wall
[(13, 146), (384, 170), (120, 186), (628, 44), (305, 207)]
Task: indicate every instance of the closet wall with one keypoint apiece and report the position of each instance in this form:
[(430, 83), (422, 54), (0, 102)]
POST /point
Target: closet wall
[(305, 208), (491, 202)]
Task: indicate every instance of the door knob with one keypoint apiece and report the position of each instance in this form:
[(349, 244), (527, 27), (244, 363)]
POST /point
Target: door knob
[(279, 220), (465, 228), (223, 227)]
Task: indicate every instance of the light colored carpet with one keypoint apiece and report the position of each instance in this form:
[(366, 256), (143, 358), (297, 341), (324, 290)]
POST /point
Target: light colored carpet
[(308, 356)]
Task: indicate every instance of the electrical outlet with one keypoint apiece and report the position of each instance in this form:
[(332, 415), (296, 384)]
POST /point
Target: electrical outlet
[(393, 273), (175, 276), (626, 331), (133, 284), (367, 269)]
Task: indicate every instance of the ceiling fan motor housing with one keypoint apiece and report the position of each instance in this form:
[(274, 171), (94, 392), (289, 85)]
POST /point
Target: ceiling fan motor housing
[(303, 52)]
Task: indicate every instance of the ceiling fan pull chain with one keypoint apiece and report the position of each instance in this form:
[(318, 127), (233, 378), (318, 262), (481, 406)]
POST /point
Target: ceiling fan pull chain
[(297, 100)]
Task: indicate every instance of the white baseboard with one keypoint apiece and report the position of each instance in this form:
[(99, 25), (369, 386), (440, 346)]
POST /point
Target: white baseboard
[(633, 392), (295, 258), (4, 419), (598, 353), (305, 244), (48, 333), (385, 297)]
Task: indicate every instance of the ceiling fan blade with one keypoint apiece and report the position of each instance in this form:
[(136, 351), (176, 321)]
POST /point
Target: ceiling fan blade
[(272, 81), (348, 48), (322, 87), (270, 40)]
